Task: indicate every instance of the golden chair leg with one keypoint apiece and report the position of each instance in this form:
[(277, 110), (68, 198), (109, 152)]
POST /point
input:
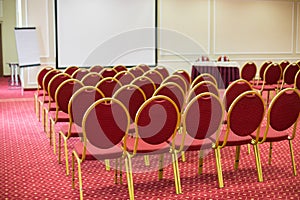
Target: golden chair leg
[(219, 167), (52, 134), (176, 173), (59, 148), (161, 167), (200, 165), (129, 177), (237, 157), (258, 163), (249, 149), (107, 165), (120, 171), (183, 156), (270, 153), (147, 160), (292, 157), (66, 156), (80, 180), (116, 172), (73, 171)]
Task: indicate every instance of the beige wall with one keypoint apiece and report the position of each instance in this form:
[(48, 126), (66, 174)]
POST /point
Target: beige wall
[(244, 30), (8, 21)]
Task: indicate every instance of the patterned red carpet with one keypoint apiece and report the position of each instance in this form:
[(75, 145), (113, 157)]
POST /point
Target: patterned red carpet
[(30, 170), (8, 91)]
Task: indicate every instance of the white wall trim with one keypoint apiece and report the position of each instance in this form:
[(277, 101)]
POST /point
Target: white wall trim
[(252, 53), (1, 8)]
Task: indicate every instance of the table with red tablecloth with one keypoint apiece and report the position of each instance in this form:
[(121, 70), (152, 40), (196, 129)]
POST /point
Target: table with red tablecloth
[(224, 72)]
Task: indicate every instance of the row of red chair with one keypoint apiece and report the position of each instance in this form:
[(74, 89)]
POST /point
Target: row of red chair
[(202, 121)]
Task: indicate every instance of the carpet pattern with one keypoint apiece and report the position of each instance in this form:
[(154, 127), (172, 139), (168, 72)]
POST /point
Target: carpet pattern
[(30, 170)]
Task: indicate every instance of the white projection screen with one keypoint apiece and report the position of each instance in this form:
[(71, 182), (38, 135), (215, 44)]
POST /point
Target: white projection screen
[(105, 32)]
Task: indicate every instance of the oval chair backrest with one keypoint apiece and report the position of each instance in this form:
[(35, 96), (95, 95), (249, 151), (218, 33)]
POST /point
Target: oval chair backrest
[(108, 86), (70, 70), (157, 120), (41, 75), (203, 116), (283, 64), (136, 71), (144, 67), (124, 77), (204, 86), (297, 80), (272, 74), (246, 113), (162, 70), (120, 68), (80, 73), (174, 92), (65, 91), (132, 98), (47, 78), (108, 72), (55, 82), (96, 68), (204, 77), (289, 73), (155, 76), (81, 100), (284, 109), (263, 67), (248, 71), (184, 74), (91, 79), (178, 80), (105, 123), (146, 84), (234, 90)]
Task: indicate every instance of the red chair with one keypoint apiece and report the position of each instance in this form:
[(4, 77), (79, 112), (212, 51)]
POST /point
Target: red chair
[(144, 67), (204, 77), (178, 80), (108, 86), (146, 84), (136, 71), (156, 121), (38, 95), (283, 64), (70, 70), (282, 119), (96, 68), (289, 73), (91, 79), (184, 74), (204, 86), (162, 70), (271, 80), (108, 72), (155, 76), (120, 68), (202, 119), (244, 118), (79, 102), (248, 72), (104, 126), (80, 73), (297, 81), (174, 92), (124, 77), (262, 69)]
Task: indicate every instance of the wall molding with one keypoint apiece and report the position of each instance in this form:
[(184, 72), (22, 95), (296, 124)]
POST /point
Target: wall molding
[(255, 52), (297, 29)]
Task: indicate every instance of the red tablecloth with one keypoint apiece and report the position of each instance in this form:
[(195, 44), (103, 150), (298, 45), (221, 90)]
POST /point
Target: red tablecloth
[(223, 74)]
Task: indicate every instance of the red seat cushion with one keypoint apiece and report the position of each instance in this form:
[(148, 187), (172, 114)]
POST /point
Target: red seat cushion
[(272, 136), (234, 140), (191, 144), (146, 148), (94, 153), (266, 87), (76, 131), (62, 117)]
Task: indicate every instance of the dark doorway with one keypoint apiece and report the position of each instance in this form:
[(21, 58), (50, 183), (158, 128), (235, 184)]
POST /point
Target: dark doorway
[(1, 57)]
